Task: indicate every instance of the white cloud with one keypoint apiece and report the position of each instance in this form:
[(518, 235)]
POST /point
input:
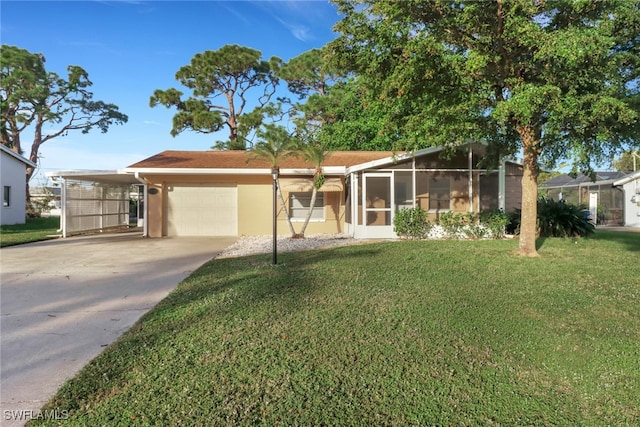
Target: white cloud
[(298, 31)]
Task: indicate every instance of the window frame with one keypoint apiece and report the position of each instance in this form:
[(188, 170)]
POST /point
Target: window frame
[(318, 214), (6, 196)]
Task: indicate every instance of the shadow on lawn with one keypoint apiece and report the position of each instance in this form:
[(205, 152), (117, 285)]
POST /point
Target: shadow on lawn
[(225, 291), (631, 240)]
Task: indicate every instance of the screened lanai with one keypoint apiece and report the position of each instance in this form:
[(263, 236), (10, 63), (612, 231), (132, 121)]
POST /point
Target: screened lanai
[(604, 201), (431, 180)]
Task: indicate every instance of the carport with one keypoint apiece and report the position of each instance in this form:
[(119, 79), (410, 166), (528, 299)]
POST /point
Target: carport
[(96, 200)]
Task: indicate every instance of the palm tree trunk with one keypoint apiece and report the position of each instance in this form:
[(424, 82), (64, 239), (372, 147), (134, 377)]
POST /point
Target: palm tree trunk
[(314, 194), (283, 206)]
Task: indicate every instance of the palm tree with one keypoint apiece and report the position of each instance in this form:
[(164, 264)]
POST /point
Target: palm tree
[(315, 154), (276, 144)]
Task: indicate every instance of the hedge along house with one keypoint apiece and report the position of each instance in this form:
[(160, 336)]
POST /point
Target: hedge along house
[(221, 193)]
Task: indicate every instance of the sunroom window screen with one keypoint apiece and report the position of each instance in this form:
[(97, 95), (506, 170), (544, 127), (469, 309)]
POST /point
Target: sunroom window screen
[(439, 193)]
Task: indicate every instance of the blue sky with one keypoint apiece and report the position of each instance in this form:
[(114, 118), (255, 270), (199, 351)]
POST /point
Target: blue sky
[(131, 48)]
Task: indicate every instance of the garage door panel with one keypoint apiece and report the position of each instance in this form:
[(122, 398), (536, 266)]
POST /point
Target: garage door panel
[(202, 210)]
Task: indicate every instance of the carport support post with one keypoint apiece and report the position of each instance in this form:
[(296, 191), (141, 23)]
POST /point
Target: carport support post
[(274, 175)]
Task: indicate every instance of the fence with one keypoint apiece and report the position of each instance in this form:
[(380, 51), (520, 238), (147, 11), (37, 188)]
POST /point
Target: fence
[(91, 206)]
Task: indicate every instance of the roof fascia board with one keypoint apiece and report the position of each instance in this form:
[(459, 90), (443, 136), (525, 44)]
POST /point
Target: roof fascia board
[(72, 173), (627, 179), (404, 156), (385, 161), (17, 156), (582, 184), (329, 170)]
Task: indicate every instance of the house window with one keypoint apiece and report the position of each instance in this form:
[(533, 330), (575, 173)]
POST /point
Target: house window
[(299, 206), (6, 196), (440, 194)]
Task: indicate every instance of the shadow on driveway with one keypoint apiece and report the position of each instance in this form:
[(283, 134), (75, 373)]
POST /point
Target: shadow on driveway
[(63, 301)]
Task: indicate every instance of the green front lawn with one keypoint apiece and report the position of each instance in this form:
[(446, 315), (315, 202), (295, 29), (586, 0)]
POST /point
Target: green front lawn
[(35, 229), (393, 333)]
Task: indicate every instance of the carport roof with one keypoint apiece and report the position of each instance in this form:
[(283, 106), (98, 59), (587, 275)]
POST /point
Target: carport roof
[(101, 176)]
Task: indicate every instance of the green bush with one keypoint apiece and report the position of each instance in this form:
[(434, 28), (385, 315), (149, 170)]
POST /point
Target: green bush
[(411, 223), (495, 220), (556, 219), (452, 223)]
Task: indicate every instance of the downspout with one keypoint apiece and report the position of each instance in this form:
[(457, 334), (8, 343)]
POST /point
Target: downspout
[(63, 213), (146, 205)]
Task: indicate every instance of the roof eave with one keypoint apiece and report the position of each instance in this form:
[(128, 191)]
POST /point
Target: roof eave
[(627, 179), (328, 170), (18, 156)]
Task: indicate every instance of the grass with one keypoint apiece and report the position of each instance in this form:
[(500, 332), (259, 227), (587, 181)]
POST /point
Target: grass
[(34, 230), (392, 333)]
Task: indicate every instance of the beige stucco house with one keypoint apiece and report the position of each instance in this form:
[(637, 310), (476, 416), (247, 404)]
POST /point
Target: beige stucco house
[(230, 193)]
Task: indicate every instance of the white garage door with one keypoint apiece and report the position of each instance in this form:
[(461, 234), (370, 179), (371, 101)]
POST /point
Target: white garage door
[(202, 210)]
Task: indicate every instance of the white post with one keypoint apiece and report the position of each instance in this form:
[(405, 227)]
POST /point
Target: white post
[(63, 208), (502, 185), (470, 179)]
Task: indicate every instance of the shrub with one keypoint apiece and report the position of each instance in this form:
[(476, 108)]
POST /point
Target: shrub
[(555, 219), (411, 223), (560, 219), (495, 221)]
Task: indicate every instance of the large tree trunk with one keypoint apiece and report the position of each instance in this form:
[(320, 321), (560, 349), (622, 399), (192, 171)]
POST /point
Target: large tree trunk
[(529, 219), (33, 156)]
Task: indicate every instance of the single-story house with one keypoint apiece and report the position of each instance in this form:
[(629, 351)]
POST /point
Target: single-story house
[(48, 198), (604, 200), (13, 170), (222, 193), (630, 186)]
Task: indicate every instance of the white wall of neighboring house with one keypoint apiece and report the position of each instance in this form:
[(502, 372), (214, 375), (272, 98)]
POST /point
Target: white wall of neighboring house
[(631, 187), (12, 187)]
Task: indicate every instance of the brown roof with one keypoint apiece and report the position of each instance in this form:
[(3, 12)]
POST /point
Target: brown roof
[(248, 160)]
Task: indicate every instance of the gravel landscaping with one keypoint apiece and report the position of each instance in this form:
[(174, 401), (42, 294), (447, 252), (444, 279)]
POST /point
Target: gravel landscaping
[(250, 245)]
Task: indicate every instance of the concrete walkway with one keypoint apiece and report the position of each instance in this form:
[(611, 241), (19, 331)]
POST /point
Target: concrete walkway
[(63, 301)]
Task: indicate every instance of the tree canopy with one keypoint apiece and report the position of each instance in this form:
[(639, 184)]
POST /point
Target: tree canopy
[(546, 80), (31, 96), (234, 74), (629, 161)]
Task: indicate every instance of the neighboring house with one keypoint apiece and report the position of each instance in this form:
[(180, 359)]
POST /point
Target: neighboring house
[(219, 193), (631, 188), (601, 197), (46, 199), (13, 169)]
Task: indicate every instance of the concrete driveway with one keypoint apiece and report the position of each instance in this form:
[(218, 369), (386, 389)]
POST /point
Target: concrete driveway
[(63, 301)]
